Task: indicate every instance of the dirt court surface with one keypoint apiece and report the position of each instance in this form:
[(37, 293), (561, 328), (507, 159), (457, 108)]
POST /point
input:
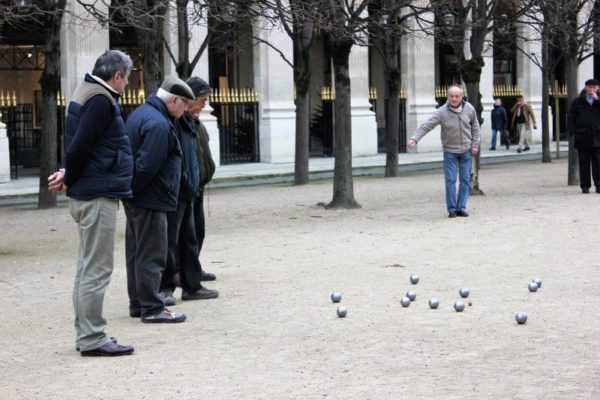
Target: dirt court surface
[(274, 333)]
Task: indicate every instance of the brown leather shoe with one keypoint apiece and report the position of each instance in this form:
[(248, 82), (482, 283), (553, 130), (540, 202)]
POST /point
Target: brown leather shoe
[(110, 349)]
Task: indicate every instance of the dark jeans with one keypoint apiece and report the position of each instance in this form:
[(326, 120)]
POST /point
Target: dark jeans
[(145, 257), (587, 156), (183, 251)]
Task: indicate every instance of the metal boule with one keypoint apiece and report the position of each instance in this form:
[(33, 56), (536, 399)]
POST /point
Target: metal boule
[(521, 318), (538, 281), (464, 292), (533, 287), (414, 279), (336, 297), (412, 295), (342, 311), (405, 301), (459, 306), (434, 303)]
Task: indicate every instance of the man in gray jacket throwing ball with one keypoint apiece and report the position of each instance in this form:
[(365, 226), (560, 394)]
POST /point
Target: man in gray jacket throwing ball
[(460, 140)]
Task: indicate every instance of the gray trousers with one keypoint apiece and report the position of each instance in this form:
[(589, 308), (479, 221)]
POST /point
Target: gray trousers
[(524, 135), (96, 223)]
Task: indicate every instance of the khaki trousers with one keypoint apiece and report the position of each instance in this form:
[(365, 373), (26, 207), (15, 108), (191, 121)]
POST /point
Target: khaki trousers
[(96, 224)]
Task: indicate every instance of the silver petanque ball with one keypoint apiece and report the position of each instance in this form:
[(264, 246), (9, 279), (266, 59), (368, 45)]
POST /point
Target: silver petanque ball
[(464, 292), (336, 297), (405, 301), (414, 279), (533, 287), (342, 311), (434, 303), (459, 306), (538, 281), (521, 318), (412, 295)]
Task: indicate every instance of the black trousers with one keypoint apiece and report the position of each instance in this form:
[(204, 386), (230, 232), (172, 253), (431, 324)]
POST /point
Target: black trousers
[(199, 220), (587, 156), (145, 257), (182, 255)]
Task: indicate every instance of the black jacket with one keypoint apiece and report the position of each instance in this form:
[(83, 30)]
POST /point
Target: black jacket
[(190, 178), (499, 118), (98, 159), (156, 154), (205, 160), (583, 121)]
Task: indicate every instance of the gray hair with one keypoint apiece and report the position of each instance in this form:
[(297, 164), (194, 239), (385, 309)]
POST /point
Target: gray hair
[(111, 62), (164, 95), (460, 89)]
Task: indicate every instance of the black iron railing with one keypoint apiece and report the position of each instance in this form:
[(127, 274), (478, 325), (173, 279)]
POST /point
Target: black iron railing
[(321, 128), (382, 132)]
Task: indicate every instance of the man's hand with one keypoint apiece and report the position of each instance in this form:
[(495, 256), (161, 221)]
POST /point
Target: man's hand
[(55, 181), (534, 126), (411, 143), (474, 150)]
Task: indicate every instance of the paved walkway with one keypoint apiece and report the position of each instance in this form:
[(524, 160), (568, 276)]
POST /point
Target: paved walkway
[(320, 168)]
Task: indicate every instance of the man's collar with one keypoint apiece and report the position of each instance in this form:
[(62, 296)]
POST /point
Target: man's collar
[(106, 85)]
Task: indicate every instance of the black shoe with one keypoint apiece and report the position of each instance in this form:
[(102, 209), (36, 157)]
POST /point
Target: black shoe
[(507, 147), (451, 215), (112, 339), (597, 189), (585, 190), (462, 213), (200, 294), (165, 316), (526, 149), (519, 150), (135, 313), (110, 349), (492, 148), (208, 276)]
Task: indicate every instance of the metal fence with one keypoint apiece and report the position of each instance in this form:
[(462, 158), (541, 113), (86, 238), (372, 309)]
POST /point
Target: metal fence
[(238, 120), (321, 129), (382, 132)]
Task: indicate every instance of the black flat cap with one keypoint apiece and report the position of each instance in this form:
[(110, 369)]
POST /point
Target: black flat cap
[(592, 82), (199, 86), (176, 86)]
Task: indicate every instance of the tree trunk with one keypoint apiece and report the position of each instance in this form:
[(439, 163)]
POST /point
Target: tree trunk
[(573, 92), (183, 36), (546, 157), (50, 83), (151, 42), (302, 75), (392, 109), (343, 185), (471, 74)]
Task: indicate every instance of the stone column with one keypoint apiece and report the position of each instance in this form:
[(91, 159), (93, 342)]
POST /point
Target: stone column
[(82, 41), (4, 155), (274, 81), (364, 123), (418, 76), (486, 88), (198, 34)]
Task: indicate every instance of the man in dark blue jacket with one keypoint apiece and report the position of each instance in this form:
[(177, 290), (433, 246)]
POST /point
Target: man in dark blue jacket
[(499, 123), (98, 172), (156, 183), (583, 121)]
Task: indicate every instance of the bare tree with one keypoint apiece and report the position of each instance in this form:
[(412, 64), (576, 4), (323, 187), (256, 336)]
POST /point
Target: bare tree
[(48, 14)]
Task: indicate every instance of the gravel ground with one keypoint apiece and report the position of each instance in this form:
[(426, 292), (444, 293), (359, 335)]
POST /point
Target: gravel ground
[(274, 333)]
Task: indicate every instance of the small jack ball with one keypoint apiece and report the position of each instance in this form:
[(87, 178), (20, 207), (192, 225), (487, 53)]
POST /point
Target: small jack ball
[(342, 311), (464, 292), (414, 279), (533, 287), (434, 303), (521, 318), (459, 306), (336, 297), (538, 282), (405, 301), (412, 295)]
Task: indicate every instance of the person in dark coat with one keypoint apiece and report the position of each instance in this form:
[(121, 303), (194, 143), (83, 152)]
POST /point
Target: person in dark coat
[(205, 161), (583, 123), (183, 244), (98, 169), (156, 183), (499, 123)]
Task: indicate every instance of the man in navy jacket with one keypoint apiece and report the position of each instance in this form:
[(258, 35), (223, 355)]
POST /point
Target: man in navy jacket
[(156, 183), (98, 171)]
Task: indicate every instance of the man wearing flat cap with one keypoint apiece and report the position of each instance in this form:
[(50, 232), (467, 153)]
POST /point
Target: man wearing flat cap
[(583, 122), (156, 181)]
